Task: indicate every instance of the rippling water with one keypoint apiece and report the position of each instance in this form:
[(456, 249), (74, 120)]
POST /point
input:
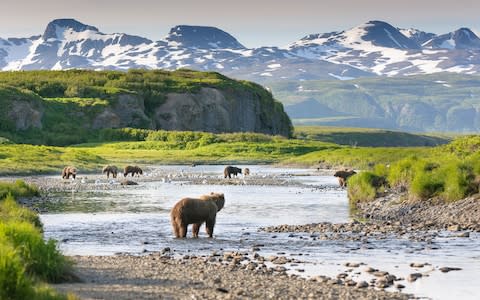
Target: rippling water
[(136, 219)]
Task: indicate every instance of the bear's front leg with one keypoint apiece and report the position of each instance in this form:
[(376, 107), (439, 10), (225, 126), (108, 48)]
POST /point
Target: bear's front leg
[(209, 227)]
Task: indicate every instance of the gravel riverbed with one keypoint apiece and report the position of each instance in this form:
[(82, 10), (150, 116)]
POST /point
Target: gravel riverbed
[(157, 276)]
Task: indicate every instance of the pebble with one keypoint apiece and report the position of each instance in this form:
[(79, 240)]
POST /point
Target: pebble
[(417, 265), (414, 276), (362, 284), (448, 269)]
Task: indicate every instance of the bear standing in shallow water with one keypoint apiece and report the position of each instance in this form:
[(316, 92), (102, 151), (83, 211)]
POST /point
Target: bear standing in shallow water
[(134, 170), (343, 175), (67, 171), (110, 170), (196, 211), (231, 170)]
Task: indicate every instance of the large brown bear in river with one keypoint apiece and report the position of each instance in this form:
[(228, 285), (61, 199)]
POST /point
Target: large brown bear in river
[(231, 170), (67, 171), (196, 211), (343, 175), (110, 169), (133, 170)]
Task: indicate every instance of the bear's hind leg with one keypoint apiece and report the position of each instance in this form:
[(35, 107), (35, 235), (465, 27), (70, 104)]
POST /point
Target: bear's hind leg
[(196, 229), (183, 230), (176, 230)]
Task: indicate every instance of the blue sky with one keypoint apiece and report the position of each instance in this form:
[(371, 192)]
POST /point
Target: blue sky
[(253, 22)]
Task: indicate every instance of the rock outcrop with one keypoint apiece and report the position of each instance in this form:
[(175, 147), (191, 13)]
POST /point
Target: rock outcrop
[(210, 109), (216, 111)]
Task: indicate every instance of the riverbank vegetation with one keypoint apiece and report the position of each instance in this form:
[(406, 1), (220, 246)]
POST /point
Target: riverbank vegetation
[(27, 262), (446, 173)]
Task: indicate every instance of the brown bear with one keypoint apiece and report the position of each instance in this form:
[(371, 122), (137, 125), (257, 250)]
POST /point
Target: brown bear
[(110, 169), (128, 182), (231, 170), (133, 170), (69, 170), (246, 171), (343, 175), (196, 211)]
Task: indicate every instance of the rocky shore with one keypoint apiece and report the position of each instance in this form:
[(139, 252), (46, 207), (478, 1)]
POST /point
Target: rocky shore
[(227, 276), (430, 214)]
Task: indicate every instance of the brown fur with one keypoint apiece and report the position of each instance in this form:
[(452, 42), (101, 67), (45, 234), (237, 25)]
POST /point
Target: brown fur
[(246, 171), (343, 175), (231, 170), (128, 182), (134, 170), (69, 170), (196, 211), (110, 169)]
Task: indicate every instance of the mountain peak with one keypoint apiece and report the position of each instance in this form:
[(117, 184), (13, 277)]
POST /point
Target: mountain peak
[(55, 25), (203, 37), (383, 34), (462, 38)]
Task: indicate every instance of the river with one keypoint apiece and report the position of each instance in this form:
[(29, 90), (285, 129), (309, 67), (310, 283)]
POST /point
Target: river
[(135, 220)]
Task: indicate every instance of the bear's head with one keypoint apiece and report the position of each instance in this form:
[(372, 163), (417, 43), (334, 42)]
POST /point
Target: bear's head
[(217, 198)]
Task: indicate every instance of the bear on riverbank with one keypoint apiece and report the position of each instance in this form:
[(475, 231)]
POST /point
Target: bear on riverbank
[(196, 211), (343, 175), (246, 171), (69, 170), (134, 170), (110, 169), (231, 170)]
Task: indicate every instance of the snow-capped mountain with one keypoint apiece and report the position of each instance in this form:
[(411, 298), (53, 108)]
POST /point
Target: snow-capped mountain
[(417, 36), (370, 49), (382, 49), (463, 38)]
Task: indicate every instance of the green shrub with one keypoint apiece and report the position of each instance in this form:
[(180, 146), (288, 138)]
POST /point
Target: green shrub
[(11, 211), (41, 259), (362, 187), (13, 282), (381, 170), (402, 172), (459, 181), (426, 185), (17, 189)]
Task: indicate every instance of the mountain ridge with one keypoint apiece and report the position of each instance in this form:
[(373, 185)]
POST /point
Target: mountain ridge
[(374, 48)]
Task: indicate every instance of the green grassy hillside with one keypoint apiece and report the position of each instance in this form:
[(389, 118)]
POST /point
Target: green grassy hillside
[(68, 107), (437, 102), (367, 137)]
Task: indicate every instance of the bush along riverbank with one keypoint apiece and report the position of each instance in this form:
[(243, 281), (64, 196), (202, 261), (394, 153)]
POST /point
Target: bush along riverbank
[(440, 190), (27, 262)]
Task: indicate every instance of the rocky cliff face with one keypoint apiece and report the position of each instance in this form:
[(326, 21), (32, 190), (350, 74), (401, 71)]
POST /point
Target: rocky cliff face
[(215, 111), (209, 109), (26, 115)]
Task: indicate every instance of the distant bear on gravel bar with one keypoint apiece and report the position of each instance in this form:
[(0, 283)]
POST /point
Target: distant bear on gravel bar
[(133, 170), (246, 171), (128, 182), (231, 170), (343, 175), (196, 211), (110, 169), (67, 171)]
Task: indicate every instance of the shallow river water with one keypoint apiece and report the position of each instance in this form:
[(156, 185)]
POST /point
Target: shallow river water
[(135, 220)]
